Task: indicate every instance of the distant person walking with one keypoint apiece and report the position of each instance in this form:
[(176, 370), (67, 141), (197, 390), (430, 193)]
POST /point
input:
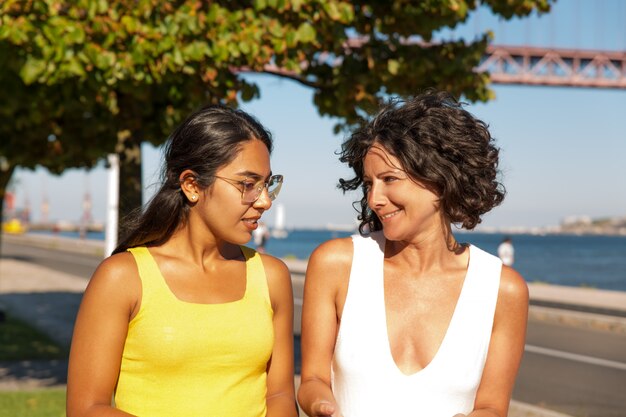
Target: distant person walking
[(260, 236), (506, 252)]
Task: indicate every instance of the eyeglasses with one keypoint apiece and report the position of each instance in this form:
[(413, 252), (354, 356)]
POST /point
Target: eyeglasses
[(251, 190)]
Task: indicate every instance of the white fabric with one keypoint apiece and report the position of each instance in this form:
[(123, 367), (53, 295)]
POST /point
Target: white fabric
[(367, 382)]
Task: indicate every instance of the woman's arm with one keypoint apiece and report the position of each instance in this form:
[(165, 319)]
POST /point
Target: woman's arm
[(326, 280), (506, 347), (109, 302), (281, 399)]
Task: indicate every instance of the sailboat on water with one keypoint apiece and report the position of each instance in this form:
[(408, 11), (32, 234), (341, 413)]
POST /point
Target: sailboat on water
[(279, 231)]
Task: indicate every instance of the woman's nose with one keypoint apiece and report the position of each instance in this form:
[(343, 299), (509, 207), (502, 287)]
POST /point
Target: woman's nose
[(375, 196), (264, 201)]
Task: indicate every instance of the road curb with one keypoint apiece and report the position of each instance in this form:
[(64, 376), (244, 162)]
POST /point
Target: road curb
[(578, 319), (518, 409), (62, 243)]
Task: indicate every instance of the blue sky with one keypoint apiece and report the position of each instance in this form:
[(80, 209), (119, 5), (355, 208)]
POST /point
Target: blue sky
[(563, 150)]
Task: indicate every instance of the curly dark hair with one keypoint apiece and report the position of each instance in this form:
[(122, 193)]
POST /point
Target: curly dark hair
[(438, 144)]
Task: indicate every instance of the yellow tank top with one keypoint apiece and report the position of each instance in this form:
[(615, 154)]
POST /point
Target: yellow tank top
[(187, 359)]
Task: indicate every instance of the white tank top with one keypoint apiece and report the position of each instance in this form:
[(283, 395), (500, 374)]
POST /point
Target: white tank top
[(365, 379)]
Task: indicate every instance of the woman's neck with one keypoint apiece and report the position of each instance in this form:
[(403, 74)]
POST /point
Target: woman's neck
[(433, 249), (202, 250)]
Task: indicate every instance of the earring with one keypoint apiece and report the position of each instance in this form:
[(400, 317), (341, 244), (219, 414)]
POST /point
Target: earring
[(193, 197)]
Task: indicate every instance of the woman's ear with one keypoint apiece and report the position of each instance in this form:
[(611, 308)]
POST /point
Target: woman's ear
[(189, 186)]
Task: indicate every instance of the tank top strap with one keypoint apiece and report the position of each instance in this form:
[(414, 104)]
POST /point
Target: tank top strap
[(149, 272), (368, 262), (365, 287), (255, 273), (480, 290)]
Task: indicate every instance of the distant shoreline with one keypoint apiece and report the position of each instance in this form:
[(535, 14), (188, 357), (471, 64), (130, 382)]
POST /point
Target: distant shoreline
[(531, 231)]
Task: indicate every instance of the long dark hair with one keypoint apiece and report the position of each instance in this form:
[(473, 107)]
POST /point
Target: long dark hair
[(207, 140), (439, 144)]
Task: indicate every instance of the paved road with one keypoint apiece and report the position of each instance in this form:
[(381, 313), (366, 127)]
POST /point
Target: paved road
[(581, 372), (81, 265), (577, 371)]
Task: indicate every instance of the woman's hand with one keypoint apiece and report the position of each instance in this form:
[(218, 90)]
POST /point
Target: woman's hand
[(325, 408)]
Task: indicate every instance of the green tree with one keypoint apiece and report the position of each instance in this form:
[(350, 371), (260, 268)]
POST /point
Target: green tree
[(90, 77), (33, 119)]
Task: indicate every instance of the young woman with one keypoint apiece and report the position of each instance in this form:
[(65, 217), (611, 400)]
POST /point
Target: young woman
[(182, 320), (405, 320)]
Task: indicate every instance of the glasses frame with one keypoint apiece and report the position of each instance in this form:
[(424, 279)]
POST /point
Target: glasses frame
[(258, 187)]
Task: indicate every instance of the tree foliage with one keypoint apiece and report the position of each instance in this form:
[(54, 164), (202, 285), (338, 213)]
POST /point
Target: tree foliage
[(83, 78)]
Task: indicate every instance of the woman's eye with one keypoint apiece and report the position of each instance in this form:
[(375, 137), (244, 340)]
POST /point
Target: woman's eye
[(389, 179), (248, 185)]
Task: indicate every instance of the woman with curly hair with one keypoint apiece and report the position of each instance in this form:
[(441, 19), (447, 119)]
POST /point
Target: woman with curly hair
[(402, 319)]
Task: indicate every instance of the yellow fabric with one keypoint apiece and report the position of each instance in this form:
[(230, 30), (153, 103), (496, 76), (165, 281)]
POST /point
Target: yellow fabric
[(187, 359)]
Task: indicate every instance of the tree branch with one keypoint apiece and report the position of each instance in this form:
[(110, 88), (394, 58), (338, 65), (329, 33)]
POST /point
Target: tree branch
[(280, 72)]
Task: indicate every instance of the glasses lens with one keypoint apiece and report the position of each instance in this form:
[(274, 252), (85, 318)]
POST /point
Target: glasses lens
[(274, 185), (252, 191)]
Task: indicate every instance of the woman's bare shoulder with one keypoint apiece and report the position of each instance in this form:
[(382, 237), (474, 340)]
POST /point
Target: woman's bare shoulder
[(333, 253), (278, 281), (513, 291), (114, 286), (116, 265), (117, 272), (512, 284), (274, 267)]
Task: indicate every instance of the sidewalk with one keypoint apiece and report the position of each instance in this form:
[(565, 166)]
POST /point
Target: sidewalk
[(583, 307), (49, 300)]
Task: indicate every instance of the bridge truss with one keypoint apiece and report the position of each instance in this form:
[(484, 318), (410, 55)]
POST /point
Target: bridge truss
[(555, 67)]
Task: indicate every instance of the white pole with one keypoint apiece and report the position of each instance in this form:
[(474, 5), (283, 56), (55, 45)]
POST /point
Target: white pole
[(110, 237)]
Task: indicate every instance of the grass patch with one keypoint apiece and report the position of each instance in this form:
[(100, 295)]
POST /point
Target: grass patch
[(41, 403), (20, 341)]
